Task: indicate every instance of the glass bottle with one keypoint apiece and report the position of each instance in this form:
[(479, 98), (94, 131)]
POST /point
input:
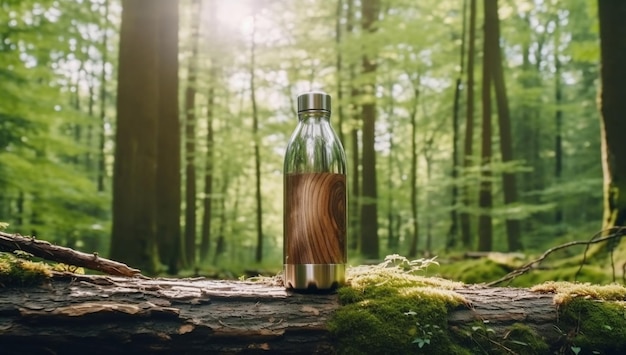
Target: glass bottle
[(315, 219)]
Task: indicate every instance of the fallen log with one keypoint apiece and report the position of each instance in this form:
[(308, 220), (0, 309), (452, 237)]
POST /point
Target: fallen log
[(103, 314)]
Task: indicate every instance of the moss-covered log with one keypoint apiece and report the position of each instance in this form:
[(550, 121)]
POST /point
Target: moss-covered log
[(99, 314)]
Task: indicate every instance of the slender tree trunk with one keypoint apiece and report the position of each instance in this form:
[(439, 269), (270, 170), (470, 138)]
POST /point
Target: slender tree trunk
[(134, 190), (391, 238), (485, 228), (103, 92), (168, 179), (454, 220), (354, 239), (339, 74), (428, 159), (91, 102), (257, 153), (466, 233), (369, 204), (205, 237), (76, 104), (220, 245), (504, 121), (190, 137), (413, 174), (558, 120), (613, 109)]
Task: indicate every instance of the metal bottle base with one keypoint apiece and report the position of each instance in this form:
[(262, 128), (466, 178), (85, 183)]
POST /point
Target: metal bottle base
[(314, 276)]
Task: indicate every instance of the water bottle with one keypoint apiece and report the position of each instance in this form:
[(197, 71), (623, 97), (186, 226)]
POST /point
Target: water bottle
[(315, 219)]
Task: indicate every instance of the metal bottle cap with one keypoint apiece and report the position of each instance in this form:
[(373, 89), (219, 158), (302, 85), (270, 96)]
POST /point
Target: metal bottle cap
[(314, 100)]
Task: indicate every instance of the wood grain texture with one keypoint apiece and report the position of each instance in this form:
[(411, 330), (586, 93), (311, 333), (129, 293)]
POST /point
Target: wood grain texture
[(315, 218)]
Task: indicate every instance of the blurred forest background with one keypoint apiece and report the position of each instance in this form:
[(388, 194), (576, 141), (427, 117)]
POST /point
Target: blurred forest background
[(153, 131)]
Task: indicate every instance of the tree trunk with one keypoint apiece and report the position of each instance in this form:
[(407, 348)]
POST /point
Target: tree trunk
[(339, 74), (454, 220), (504, 122), (413, 174), (99, 314), (355, 189), (134, 180), (168, 179), (558, 120), (103, 92), (207, 212), (256, 143), (466, 233), (485, 227), (613, 109), (369, 203), (190, 139)]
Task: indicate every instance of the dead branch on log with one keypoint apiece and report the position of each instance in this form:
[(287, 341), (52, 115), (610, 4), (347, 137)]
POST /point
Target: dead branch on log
[(616, 233), (48, 251)]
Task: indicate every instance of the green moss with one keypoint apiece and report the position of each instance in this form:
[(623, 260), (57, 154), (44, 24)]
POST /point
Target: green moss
[(390, 310), (522, 339), (519, 339), (19, 272), (594, 327), (592, 318)]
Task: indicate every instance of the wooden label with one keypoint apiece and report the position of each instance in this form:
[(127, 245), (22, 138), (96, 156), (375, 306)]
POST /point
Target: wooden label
[(315, 218)]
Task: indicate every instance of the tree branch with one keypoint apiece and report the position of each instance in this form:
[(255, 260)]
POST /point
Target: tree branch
[(616, 233), (45, 250)]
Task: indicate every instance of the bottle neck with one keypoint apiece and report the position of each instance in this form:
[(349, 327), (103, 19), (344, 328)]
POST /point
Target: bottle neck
[(314, 116)]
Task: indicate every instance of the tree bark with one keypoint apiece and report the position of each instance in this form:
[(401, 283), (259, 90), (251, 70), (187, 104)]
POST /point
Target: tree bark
[(504, 122), (207, 212), (369, 203), (485, 227), (413, 175), (355, 123), (190, 140), (168, 179), (466, 233), (256, 143), (613, 109), (134, 169), (99, 314), (454, 220)]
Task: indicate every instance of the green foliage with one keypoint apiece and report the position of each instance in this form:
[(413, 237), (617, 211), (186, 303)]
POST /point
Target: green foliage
[(52, 58), (47, 138)]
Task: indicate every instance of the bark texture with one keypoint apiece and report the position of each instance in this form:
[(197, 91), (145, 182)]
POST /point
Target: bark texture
[(100, 314), (613, 108)]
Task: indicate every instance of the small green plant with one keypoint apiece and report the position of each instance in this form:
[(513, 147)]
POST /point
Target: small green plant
[(427, 331)]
